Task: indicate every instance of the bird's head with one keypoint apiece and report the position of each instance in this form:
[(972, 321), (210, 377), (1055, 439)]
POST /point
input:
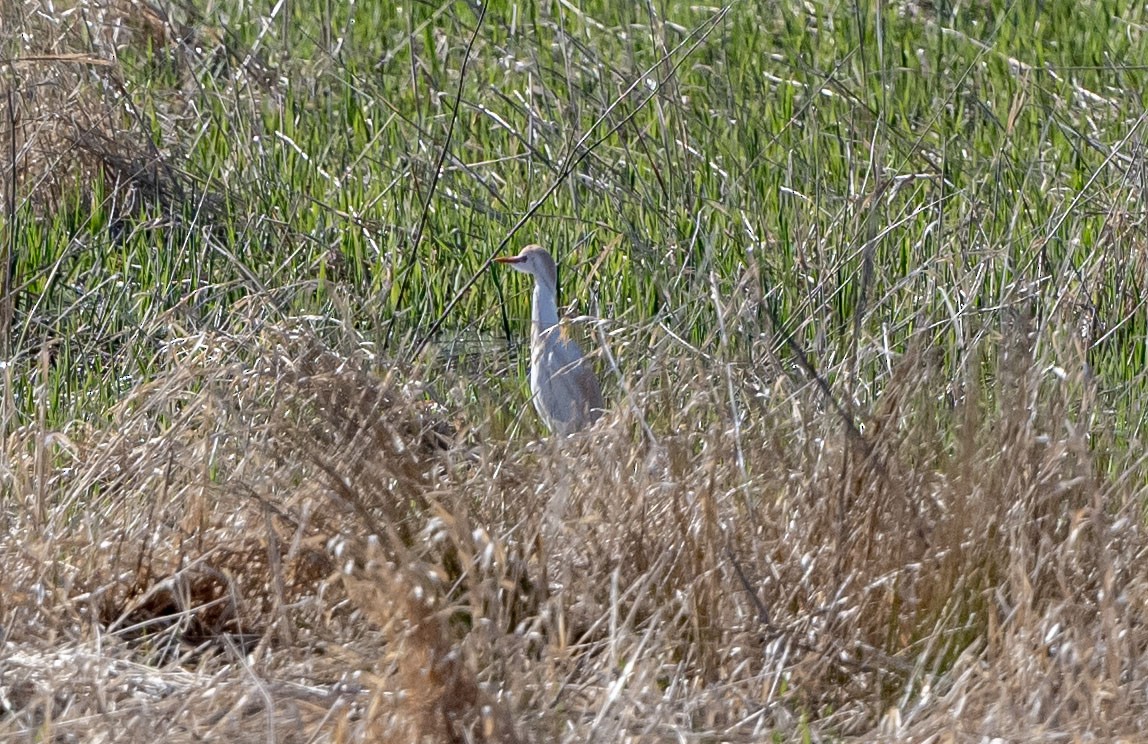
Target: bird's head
[(536, 260)]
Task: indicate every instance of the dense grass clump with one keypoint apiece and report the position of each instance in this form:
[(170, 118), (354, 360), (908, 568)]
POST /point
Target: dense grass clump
[(864, 284)]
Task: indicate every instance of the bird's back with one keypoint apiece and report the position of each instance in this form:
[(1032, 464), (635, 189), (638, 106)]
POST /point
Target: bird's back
[(566, 392)]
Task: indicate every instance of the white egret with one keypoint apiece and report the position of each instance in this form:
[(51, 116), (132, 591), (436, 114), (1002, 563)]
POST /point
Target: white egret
[(565, 392)]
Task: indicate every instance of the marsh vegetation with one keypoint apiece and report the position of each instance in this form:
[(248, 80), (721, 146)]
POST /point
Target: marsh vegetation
[(864, 284)]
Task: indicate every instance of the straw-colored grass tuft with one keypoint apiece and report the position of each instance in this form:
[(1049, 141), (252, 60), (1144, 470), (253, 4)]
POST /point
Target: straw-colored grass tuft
[(283, 517)]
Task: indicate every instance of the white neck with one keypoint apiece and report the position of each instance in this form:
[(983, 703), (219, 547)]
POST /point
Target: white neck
[(544, 314)]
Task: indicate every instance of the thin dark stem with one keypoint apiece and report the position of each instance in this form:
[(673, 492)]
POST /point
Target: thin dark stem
[(8, 257), (413, 251), (579, 152)]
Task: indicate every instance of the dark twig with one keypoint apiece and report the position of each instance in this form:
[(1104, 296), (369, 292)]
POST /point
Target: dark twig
[(8, 257), (579, 152), (412, 253)]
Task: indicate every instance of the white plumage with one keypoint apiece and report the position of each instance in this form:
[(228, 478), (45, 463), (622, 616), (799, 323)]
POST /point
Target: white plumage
[(565, 392)]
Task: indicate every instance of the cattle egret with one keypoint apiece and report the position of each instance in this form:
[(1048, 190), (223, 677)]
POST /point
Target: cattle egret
[(564, 389)]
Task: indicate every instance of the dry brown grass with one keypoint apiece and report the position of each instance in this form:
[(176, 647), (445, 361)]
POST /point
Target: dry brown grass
[(79, 137), (274, 542)]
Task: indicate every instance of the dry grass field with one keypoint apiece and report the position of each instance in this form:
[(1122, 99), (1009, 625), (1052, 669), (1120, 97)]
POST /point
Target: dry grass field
[(871, 469)]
